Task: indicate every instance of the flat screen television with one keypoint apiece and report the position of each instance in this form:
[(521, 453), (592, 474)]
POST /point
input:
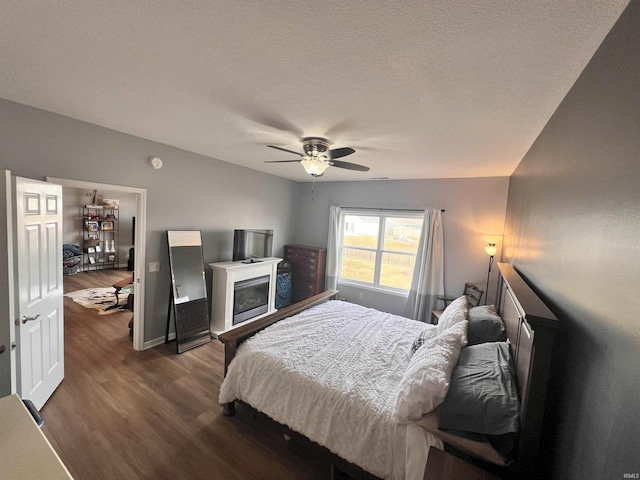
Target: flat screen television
[(249, 245)]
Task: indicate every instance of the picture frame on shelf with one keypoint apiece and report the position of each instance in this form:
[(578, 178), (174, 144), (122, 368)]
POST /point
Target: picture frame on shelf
[(98, 249), (92, 260), (111, 258), (91, 226), (91, 249), (93, 236), (107, 225)]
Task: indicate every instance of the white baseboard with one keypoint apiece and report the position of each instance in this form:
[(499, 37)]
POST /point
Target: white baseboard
[(157, 341)]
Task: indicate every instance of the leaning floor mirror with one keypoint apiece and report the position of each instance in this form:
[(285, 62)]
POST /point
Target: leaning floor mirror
[(188, 289)]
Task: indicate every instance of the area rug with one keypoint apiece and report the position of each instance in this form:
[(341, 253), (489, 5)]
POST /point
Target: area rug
[(101, 299)]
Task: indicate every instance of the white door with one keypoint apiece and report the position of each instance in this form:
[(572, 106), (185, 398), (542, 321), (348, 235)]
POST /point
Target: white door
[(40, 323)]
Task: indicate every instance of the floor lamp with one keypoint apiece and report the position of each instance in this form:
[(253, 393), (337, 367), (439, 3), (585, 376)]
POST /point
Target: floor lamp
[(491, 250)]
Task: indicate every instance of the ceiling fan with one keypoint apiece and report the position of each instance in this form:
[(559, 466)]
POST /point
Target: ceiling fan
[(317, 157)]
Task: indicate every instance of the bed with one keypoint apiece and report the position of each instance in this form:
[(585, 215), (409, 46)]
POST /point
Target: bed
[(337, 373)]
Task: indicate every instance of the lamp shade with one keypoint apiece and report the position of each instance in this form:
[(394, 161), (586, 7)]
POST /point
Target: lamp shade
[(491, 249), (313, 166), (492, 239)]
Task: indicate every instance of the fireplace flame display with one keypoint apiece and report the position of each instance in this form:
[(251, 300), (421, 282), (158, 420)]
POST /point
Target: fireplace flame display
[(250, 298)]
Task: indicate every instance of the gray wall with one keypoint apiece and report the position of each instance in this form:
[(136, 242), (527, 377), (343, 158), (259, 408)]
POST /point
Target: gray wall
[(191, 192), (474, 206), (573, 230)]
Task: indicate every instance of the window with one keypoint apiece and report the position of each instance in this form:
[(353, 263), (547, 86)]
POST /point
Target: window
[(379, 249)]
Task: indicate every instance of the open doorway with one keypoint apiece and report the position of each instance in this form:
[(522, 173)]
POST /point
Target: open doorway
[(121, 255)]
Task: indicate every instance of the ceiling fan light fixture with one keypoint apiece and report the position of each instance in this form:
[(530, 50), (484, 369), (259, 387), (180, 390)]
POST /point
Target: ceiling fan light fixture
[(317, 156), (313, 166)]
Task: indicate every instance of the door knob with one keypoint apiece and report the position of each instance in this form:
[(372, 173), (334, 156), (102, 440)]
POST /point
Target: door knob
[(2, 348), (26, 319)]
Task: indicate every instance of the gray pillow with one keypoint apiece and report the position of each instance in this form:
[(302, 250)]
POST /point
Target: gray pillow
[(482, 396), (485, 325)]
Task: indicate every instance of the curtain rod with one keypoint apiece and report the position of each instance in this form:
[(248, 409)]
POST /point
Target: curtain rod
[(391, 209)]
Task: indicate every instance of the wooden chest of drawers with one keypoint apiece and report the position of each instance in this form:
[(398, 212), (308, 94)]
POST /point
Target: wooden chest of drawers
[(307, 270)]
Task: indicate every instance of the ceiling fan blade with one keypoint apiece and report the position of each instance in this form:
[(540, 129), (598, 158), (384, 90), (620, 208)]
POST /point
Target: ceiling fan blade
[(281, 161), (341, 152), (285, 150), (349, 166)]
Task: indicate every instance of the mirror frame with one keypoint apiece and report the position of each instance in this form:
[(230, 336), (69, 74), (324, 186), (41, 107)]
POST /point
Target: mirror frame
[(192, 322)]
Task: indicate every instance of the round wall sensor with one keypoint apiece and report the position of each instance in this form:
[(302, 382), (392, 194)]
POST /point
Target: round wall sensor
[(155, 162)]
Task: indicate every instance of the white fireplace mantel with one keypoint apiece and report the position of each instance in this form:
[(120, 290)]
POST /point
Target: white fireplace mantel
[(225, 275)]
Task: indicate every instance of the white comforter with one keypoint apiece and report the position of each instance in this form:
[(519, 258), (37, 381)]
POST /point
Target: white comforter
[(331, 373)]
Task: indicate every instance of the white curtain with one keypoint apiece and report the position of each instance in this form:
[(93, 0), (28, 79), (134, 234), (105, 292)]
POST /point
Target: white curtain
[(333, 249), (428, 274)]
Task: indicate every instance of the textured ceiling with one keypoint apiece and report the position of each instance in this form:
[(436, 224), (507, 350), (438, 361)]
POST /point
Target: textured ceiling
[(421, 89)]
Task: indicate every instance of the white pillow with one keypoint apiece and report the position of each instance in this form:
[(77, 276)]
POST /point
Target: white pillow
[(454, 313), (425, 382)]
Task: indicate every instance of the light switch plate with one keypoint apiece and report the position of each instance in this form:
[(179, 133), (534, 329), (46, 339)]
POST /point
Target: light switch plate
[(154, 266)]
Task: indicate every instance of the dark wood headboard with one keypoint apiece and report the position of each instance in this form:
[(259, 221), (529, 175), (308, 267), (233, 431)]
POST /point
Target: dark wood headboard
[(531, 329)]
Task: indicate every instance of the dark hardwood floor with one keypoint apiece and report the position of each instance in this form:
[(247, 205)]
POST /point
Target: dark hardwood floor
[(122, 414)]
